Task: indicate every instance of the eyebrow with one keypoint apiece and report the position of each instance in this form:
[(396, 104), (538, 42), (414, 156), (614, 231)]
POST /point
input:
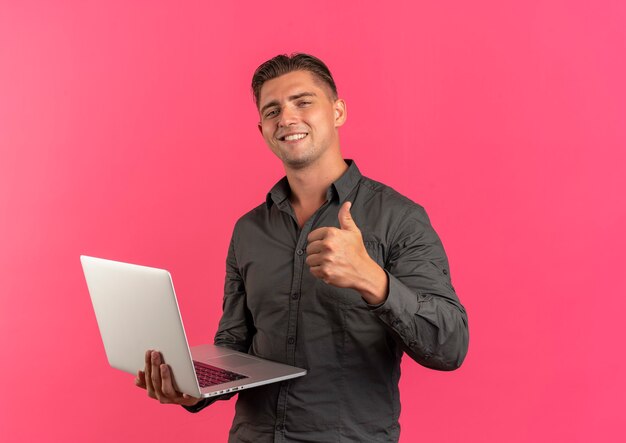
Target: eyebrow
[(290, 98)]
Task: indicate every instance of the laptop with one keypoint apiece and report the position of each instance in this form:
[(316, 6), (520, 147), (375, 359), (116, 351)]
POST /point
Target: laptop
[(137, 310)]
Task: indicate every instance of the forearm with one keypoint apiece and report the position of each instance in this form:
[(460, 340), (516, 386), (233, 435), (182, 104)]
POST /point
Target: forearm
[(235, 329), (432, 329)]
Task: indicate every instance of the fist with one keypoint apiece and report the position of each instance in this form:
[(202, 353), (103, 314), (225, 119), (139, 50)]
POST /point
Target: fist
[(338, 257)]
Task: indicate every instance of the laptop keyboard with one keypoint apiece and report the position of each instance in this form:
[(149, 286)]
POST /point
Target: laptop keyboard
[(210, 375)]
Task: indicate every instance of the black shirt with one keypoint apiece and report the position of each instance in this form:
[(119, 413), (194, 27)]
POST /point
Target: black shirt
[(276, 309)]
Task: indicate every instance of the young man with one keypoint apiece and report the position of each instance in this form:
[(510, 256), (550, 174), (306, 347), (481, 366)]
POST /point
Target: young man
[(334, 273)]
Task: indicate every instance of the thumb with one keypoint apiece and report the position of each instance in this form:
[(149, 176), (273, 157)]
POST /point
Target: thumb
[(345, 218)]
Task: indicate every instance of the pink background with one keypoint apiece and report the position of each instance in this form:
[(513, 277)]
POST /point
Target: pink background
[(127, 131)]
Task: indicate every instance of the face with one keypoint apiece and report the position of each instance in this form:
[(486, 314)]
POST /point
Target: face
[(299, 119)]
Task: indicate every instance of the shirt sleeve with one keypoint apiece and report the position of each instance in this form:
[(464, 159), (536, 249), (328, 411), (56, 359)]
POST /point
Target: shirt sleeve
[(235, 329), (422, 309)]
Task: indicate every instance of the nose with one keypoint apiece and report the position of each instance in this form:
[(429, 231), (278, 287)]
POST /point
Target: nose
[(288, 116)]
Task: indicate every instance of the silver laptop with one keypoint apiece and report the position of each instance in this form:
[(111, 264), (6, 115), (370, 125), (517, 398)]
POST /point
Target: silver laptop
[(136, 310)]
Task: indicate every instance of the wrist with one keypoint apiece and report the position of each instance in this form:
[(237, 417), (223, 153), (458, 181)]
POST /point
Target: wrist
[(373, 284)]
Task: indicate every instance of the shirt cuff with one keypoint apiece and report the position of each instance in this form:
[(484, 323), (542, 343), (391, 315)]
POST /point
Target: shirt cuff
[(400, 301), (198, 406), (208, 401)]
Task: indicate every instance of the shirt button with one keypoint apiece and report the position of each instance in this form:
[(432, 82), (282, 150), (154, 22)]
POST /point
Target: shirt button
[(278, 427), (294, 296), (299, 252), (291, 340), (445, 272)]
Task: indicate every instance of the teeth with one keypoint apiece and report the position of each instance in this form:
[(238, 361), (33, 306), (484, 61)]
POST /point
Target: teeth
[(294, 137)]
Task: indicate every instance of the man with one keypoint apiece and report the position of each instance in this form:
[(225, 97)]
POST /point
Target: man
[(334, 273)]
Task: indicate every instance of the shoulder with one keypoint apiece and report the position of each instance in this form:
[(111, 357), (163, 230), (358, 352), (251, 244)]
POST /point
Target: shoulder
[(391, 201), (254, 217)]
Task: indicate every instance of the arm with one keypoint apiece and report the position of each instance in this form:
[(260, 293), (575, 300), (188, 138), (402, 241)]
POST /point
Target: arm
[(413, 295), (422, 309), (235, 330)]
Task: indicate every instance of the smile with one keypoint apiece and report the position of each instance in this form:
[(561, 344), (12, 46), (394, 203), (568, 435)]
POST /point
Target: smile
[(292, 137)]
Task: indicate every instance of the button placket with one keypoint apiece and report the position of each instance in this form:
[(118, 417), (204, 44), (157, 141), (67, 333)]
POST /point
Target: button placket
[(292, 323), (298, 269)]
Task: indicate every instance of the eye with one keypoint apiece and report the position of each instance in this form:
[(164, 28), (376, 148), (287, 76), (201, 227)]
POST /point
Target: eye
[(272, 113), (304, 103)]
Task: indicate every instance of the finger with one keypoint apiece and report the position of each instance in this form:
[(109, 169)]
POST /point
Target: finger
[(346, 221), (314, 260), (148, 373), (314, 247), (140, 380), (156, 374), (315, 271), (171, 395), (167, 387), (318, 234)]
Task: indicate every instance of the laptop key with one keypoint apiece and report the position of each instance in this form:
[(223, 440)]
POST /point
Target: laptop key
[(210, 375)]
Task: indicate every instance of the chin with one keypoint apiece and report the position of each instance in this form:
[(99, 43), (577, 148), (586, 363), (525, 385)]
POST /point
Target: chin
[(297, 163)]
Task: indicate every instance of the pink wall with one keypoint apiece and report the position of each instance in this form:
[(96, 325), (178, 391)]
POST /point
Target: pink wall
[(127, 131)]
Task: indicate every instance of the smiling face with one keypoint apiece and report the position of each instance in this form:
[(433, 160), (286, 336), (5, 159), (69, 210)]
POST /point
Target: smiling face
[(299, 119)]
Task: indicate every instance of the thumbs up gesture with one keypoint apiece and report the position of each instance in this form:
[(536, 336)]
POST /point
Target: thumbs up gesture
[(339, 258), (345, 219)]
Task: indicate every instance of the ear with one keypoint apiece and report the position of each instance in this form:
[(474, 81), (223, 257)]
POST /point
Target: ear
[(258, 125), (341, 113)]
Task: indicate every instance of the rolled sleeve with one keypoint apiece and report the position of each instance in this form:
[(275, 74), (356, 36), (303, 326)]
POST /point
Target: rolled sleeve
[(422, 308)]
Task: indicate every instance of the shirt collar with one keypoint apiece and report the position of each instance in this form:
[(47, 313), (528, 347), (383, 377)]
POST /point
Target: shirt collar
[(340, 187)]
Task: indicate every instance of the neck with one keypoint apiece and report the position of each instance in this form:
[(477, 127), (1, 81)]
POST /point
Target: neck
[(309, 185)]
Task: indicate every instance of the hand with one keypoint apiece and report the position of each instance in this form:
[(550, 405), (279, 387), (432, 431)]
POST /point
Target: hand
[(156, 378), (339, 258)]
